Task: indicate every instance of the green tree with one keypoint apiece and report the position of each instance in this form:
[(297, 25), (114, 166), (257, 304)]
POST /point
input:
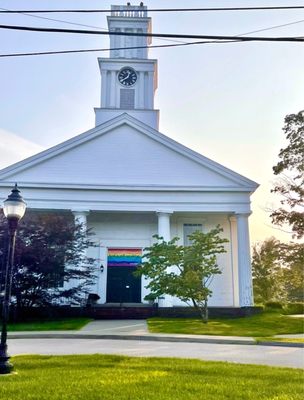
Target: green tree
[(292, 257), (278, 271), (290, 170), (50, 250), (184, 271), (267, 271)]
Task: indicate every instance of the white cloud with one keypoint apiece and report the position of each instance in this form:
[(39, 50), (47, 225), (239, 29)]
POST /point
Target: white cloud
[(14, 148)]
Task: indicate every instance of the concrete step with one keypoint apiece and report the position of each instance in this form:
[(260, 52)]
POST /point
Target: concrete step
[(121, 312)]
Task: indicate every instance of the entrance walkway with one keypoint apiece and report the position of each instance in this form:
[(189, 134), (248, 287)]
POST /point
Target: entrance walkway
[(129, 327)]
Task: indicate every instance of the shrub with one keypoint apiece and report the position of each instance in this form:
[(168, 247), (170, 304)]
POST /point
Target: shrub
[(276, 305), (294, 308)]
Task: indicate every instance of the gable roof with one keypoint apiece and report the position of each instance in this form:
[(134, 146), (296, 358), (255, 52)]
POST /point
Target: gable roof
[(200, 172)]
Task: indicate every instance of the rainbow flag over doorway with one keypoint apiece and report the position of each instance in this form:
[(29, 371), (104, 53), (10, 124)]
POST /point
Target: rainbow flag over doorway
[(124, 257)]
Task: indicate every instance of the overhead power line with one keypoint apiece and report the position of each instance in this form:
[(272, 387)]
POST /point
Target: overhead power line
[(156, 35), (116, 48), (206, 9), (27, 14), (105, 29), (73, 23), (41, 53)]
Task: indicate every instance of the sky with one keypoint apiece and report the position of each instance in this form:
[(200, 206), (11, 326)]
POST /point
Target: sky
[(225, 101)]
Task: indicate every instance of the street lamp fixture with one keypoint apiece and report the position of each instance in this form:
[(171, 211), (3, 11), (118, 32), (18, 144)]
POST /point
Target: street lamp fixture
[(14, 208)]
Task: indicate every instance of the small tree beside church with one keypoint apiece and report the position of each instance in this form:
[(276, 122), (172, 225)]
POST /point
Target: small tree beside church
[(185, 272)]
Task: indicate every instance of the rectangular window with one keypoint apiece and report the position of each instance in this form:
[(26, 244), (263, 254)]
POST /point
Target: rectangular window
[(127, 99), (188, 229)]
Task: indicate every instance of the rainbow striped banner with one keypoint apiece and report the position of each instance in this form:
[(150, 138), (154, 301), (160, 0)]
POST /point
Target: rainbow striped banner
[(124, 257)]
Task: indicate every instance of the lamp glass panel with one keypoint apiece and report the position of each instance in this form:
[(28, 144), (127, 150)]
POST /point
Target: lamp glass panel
[(14, 209)]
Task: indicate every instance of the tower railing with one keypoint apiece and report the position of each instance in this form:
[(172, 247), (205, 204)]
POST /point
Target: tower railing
[(129, 11)]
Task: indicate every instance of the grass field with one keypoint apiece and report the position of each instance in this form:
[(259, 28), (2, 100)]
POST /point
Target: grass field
[(51, 325), (94, 377), (260, 325)]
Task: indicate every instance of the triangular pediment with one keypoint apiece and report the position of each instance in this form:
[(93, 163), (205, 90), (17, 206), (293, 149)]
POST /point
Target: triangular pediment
[(124, 152)]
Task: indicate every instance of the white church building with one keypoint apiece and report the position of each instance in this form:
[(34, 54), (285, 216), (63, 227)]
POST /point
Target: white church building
[(127, 181)]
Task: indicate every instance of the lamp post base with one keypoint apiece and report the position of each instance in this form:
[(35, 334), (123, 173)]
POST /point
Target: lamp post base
[(5, 366)]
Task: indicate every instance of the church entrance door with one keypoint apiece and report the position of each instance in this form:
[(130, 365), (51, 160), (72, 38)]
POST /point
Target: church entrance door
[(122, 285)]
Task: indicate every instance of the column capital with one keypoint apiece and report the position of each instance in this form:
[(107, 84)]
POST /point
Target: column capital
[(243, 215), (164, 212), (80, 212)]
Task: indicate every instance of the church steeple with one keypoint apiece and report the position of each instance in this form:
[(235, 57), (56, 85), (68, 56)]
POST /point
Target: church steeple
[(128, 77), (131, 19)]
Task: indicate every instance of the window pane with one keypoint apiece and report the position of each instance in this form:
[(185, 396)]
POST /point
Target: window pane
[(188, 229)]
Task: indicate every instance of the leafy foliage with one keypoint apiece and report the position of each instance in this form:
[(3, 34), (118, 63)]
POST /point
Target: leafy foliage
[(184, 271), (292, 256), (278, 271), (294, 308), (50, 251), (266, 271), (290, 169)]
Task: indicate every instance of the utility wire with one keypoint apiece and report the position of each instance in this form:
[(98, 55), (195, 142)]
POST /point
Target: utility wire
[(74, 23), (156, 35), (130, 8), (116, 48), (273, 27), (142, 47), (27, 13), (168, 40)]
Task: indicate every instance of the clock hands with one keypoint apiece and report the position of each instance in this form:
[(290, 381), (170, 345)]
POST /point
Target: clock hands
[(126, 77)]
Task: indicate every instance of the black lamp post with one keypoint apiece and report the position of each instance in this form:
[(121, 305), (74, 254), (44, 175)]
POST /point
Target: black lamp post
[(14, 208)]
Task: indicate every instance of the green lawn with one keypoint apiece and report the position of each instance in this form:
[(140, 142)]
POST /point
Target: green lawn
[(49, 325), (264, 324), (94, 377)]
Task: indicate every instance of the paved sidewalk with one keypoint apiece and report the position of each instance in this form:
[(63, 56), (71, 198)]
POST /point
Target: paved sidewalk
[(128, 330), (137, 330), (266, 355)]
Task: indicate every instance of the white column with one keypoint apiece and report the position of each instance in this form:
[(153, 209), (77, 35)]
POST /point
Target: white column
[(244, 262), (81, 218), (165, 232), (112, 89), (150, 91), (164, 225), (234, 260), (146, 90), (141, 89), (104, 89)]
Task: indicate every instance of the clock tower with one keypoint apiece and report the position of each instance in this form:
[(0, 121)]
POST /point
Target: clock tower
[(128, 77)]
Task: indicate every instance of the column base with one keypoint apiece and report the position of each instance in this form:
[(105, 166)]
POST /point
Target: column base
[(165, 302)]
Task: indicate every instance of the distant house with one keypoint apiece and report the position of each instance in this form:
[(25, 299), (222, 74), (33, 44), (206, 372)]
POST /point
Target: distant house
[(128, 181)]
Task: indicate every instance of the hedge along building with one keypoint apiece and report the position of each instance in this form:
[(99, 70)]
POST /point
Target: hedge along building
[(127, 181)]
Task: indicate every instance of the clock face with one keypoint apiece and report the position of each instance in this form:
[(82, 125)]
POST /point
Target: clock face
[(127, 76)]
